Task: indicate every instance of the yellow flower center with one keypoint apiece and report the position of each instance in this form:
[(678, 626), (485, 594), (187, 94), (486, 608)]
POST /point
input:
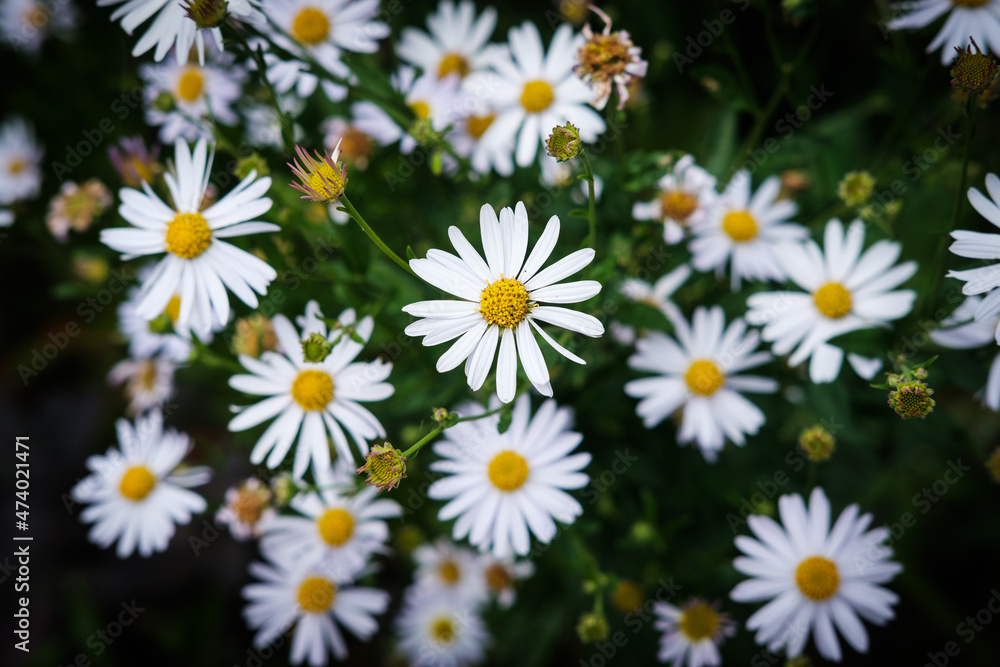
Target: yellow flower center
[(16, 166), (136, 483), (190, 84), (508, 471), (477, 125), (313, 390), (326, 182), (355, 145), (443, 630), (704, 377), (833, 300), (250, 504), (604, 56), (698, 621), (969, 3), (188, 235), (173, 309), (451, 63), (740, 226), (420, 109), (817, 578), (678, 205), (504, 303), (147, 375), (36, 16), (449, 572), (336, 526), (537, 96), (316, 594), (497, 577), (310, 26)]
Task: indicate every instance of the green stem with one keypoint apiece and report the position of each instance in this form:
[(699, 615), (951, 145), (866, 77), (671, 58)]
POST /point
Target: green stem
[(205, 355), (447, 424), (353, 212), (591, 200)]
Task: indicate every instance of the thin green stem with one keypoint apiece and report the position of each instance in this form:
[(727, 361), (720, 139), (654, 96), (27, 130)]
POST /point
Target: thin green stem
[(447, 424), (353, 212), (591, 200)]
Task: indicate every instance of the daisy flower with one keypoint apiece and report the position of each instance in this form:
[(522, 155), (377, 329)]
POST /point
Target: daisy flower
[(468, 134), (355, 144), (686, 195), (845, 290), (199, 265), (334, 527), (978, 19), (960, 331), (815, 578), (658, 294), (133, 162), (440, 630), (456, 43), (446, 568), (320, 398), (149, 382), (745, 231), (692, 633), (533, 91), (700, 376), (501, 574), (20, 159), (136, 494), (609, 60), (75, 207), (26, 23), (501, 301), (500, 485), (246, 507), (982, 246), (313, 599)]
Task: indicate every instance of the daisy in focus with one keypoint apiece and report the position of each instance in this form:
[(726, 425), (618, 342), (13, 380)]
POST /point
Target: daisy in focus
[(25, 24), (609, 60), (699, 375), (745, 231), (502, 301), (149, 381), (692, 633), (199, 264), (455, 44), (686, 196), (437, 630), (313, 599), (961, 331), (982, 246), (815, 578), (845, 290), (448, 569), (136, 493), (310, 400), (534, 91), (978, 19), (20, 162), (500, 485)]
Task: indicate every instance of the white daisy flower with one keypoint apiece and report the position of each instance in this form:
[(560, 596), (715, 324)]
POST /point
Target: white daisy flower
[(658, 294), (313, 599), (700, 376), (534, 91), (745, 231), (199, 265), (502, 293), (321, 29), (686, 196), (135, 493), (467, 138), (263, 126), (978, 19), (446, 568), (692, 633), (336, 528), (501, 574), (440, 630), (960, 331), (815, 577), (25, 24), (149, 382), (982, 246), (846, 290), (502, 485), (354, 144), (320, 398), (202, 94), (456, 43), (20, 160)]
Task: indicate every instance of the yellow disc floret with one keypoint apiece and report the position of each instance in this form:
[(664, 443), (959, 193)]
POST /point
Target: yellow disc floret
[(698, 621), (188, 235), (190, 84), (452, 63), (420, 109), (740, 226), (316, 594), (678, 205), (537, 96), (443, 630), (504, 303), (817, 578), (508, 471), (703, 377), (173, 309), (326, 182), (833, 300), (449, 572), (476, 126), (310, 26), (313, 390), (336, 526), (136, 483)]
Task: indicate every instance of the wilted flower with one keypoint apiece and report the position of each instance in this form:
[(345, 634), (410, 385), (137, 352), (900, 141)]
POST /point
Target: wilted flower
[(254, 335), (385, 466), (245, 506), (911, 399), (134, 163), (76, 206), (973, 71), (322, 178), (609, 58)]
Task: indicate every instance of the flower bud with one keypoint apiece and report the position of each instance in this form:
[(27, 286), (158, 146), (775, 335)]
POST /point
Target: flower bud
[(564, 142), (385, 466)]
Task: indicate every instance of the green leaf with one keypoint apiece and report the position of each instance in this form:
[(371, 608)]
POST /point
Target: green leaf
[(506, 415)]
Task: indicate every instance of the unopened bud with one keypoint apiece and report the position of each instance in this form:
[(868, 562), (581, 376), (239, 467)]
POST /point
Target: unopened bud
[(564, 142)]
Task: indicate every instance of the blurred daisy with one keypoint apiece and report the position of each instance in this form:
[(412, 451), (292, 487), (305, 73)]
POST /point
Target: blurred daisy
[(134, 162), (978, 19), (20, 159), (199, 265), (700, 376), (6, 218), (686, 196), (692, 633), (149, 381), (559, 175), (25, 24), (136, 494), (246, 507), (162, 335), (456, 43), (815, 578), (500, 485), (263, 125), (658, 294), (745, 231), (316, 602), (440, 630), (982, 246), (502, 293), (335, 528), (501, 575), (960, 331), (534, 91), (846, 290), (75, 207), (467, 138), (355, 144), (446, 568), (609, 60), (318, 398)]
